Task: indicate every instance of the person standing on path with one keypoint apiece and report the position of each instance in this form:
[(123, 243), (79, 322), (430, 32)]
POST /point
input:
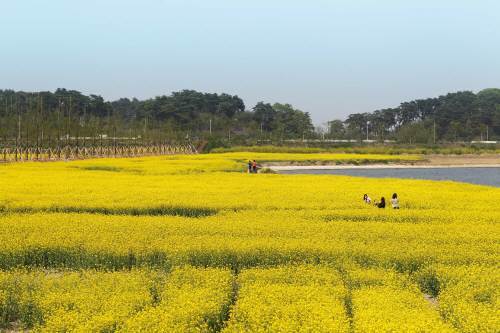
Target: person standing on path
[(254, 166), (249, 166)]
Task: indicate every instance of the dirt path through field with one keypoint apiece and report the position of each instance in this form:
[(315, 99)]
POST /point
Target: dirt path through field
[(432, 300)]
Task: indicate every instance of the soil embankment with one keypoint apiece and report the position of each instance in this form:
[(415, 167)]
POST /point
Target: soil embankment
[(428, 161), (487, 159)]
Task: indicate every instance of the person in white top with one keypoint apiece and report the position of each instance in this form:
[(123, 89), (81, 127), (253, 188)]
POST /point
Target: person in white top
[(395, 201), (367, 199)]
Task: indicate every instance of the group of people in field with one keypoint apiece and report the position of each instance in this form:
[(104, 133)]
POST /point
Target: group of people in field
[(381, 203), (252, 166)]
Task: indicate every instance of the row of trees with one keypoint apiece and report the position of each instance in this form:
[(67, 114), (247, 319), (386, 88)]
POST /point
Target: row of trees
[(68, 117), (461, 116)]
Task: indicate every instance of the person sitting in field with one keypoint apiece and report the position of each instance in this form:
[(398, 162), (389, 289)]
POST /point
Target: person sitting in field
[(380, 204), (254, 166), (367, 199), (395, 201)]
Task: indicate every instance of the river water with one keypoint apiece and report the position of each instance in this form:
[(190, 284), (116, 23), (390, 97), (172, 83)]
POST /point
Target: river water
[(481, 176)]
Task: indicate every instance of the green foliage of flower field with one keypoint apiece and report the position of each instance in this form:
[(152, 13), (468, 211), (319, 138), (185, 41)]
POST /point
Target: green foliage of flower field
[(195, 244)]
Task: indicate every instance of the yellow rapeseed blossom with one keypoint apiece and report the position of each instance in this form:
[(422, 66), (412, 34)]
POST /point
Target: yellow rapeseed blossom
[(73, 301), (286, 299), (394, 309), (193, 243), (192, 300), (468, 295)]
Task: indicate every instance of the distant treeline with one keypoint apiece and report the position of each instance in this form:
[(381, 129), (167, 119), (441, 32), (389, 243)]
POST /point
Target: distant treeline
[(68, 117), (461, 116)]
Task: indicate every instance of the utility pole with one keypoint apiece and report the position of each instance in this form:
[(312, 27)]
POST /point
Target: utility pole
[(18, 120), (1, 129), (69, 119), (59, 126), (18, 136), (27, 109), (487, 136), (108, 132), (42, 119), (7, 117), (434, 131), (84, 123), (210, 126), (367, 130), (37, 120)]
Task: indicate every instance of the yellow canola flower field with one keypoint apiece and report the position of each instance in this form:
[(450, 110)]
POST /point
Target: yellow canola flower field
[(72, 301), (239, 239), (386, 301), (469, 297), (290, 299), (191, 300), (187, 299), (193, 243)]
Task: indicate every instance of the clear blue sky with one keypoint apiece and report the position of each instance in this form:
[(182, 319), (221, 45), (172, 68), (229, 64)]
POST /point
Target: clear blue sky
[(329, 58)]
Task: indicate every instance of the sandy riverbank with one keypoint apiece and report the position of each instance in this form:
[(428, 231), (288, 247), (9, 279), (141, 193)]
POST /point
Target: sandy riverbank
[(428, 161), (485, 159), (378, 166)]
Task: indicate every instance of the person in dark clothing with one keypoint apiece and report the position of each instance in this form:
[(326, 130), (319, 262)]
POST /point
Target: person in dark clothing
[(249, 166), (381, 204)]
